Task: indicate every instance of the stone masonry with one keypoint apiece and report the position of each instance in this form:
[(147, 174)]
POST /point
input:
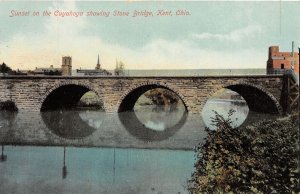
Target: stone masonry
[(29, 93)]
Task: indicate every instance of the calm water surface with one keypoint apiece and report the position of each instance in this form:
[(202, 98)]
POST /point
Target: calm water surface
[(94, 170)]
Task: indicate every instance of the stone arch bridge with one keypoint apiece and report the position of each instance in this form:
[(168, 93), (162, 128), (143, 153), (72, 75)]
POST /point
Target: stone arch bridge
[(263, 93)]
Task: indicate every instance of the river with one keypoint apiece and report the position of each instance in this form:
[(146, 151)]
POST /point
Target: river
[(149, 150)]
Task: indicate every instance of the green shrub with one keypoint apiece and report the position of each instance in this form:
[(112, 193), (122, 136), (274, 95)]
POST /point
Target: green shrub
[(261, 158)]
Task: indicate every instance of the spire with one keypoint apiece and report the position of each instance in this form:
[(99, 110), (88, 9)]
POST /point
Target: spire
[(98, 66)]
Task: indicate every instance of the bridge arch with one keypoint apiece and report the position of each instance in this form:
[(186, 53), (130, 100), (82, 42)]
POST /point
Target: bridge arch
[(129, 98), (64, 94), (251, 92)]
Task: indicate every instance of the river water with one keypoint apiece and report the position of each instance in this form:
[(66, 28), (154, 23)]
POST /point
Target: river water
[(114, 165), (149, 150)]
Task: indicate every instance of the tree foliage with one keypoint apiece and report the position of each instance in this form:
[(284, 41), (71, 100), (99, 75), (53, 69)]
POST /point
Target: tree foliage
[(261, 158), (160, 96)]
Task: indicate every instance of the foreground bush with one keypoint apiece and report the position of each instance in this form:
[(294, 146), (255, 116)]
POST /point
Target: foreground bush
[(261, 158)]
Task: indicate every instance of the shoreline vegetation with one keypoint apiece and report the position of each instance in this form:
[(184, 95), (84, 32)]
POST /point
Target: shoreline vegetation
[(260, 158)]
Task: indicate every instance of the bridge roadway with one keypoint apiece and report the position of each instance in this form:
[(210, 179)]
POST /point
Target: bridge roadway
[(263, 93)]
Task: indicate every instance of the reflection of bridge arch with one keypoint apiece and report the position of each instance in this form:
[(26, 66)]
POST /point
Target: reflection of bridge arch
[(133, 125), (64, 94), (9, 105), (59, 124), (257, 97), (129, 98)]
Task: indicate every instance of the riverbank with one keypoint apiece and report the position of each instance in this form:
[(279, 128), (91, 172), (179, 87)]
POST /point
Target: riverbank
[(259, 158)]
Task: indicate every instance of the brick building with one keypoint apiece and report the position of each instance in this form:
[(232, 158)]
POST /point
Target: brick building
[(278, 61)]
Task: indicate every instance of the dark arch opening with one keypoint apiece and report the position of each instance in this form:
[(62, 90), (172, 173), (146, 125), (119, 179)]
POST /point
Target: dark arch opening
[(66, 103), (64, 97), (155, 119), (257, 100), (130, 100)]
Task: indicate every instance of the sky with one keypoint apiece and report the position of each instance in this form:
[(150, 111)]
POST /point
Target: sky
[(215, 34)]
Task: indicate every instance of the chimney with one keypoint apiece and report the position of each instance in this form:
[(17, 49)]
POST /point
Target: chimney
[(292, 48)]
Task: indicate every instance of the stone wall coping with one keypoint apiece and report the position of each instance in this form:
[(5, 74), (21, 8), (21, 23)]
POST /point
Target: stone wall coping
[(137, 77)]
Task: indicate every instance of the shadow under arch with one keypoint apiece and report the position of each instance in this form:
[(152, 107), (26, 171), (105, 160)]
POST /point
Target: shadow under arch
[(256, 103), (257, 98), (135, 127), (127, 103), (64, 96)]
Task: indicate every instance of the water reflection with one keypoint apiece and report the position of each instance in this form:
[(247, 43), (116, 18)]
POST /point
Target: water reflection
[(70, 123), (3, 157), (64, 168), (160, 118), (147, 127), (153, 122), (222, 106), (7, 118), (149, 123)]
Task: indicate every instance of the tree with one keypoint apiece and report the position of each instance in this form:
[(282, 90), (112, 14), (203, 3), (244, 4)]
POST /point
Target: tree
[(52, 72), (161, 96)]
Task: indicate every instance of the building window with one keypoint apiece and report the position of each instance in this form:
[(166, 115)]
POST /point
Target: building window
[(282, 66)]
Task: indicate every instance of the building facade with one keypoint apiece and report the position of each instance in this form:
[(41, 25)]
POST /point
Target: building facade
[(98, 71), (66, 66), (278, 62)]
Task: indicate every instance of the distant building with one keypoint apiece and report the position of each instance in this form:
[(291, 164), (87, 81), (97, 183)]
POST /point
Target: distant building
[(98, 66), (46, 71), (66, 66), (278, 61), (98, 71)]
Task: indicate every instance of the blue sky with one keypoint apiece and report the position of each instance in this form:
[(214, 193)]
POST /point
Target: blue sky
[(218, 34)]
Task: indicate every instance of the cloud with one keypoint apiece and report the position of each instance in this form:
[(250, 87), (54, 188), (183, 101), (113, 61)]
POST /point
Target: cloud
[(235, 36), (65, 36)]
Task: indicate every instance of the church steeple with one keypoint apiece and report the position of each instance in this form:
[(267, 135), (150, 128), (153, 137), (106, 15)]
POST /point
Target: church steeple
[(98, 63)]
